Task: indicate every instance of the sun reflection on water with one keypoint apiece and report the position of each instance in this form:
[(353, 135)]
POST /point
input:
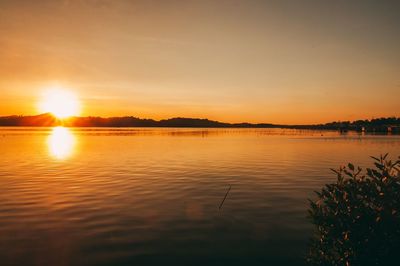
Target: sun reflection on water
[(61, 143)]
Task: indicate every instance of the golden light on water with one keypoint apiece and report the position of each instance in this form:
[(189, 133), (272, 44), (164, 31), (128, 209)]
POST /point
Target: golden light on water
[(61, 143), (59, 102)]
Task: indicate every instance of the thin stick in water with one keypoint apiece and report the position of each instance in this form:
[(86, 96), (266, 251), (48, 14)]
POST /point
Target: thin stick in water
[(220, 206)]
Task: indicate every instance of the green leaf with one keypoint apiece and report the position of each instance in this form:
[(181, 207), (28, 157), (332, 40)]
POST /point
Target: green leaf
[(376, 159), (379, 166)]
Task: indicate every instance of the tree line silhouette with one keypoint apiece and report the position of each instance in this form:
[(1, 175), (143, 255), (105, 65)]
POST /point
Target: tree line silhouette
[(390, 124)]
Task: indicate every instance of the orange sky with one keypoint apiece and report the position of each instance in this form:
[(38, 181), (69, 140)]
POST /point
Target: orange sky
[(256, 61)]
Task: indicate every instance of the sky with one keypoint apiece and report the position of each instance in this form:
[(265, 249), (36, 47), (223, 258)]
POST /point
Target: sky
[(293, 62)]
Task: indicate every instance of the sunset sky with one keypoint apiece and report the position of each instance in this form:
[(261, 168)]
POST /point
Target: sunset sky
[(256, 61)]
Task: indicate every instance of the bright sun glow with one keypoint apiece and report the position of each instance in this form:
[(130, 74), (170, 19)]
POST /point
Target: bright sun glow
[(60, 103), (61, 142)]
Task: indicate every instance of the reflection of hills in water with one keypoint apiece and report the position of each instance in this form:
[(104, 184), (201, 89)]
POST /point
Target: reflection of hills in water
[(381, 125), (187, 132)]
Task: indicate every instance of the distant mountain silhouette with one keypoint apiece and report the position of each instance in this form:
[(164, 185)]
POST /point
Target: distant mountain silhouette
[(43, 120), (47, 120), (391, 124)]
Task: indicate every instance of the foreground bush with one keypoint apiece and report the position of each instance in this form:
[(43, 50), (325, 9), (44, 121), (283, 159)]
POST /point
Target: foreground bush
[(357, 219)]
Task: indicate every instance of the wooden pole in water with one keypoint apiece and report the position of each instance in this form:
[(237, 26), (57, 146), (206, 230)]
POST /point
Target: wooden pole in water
[(220, 206)]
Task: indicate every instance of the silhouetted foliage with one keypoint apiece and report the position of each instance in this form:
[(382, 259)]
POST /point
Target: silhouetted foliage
[(357, 219)]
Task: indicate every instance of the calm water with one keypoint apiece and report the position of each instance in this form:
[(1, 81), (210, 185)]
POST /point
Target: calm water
[(151, 196)]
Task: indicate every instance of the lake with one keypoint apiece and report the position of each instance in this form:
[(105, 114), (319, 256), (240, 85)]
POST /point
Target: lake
[(151, 196)]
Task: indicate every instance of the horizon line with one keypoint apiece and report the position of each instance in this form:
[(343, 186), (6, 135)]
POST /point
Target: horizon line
[(197, 118)]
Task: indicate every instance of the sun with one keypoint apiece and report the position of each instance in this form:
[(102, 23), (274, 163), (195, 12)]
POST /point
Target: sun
[(61, 103)]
